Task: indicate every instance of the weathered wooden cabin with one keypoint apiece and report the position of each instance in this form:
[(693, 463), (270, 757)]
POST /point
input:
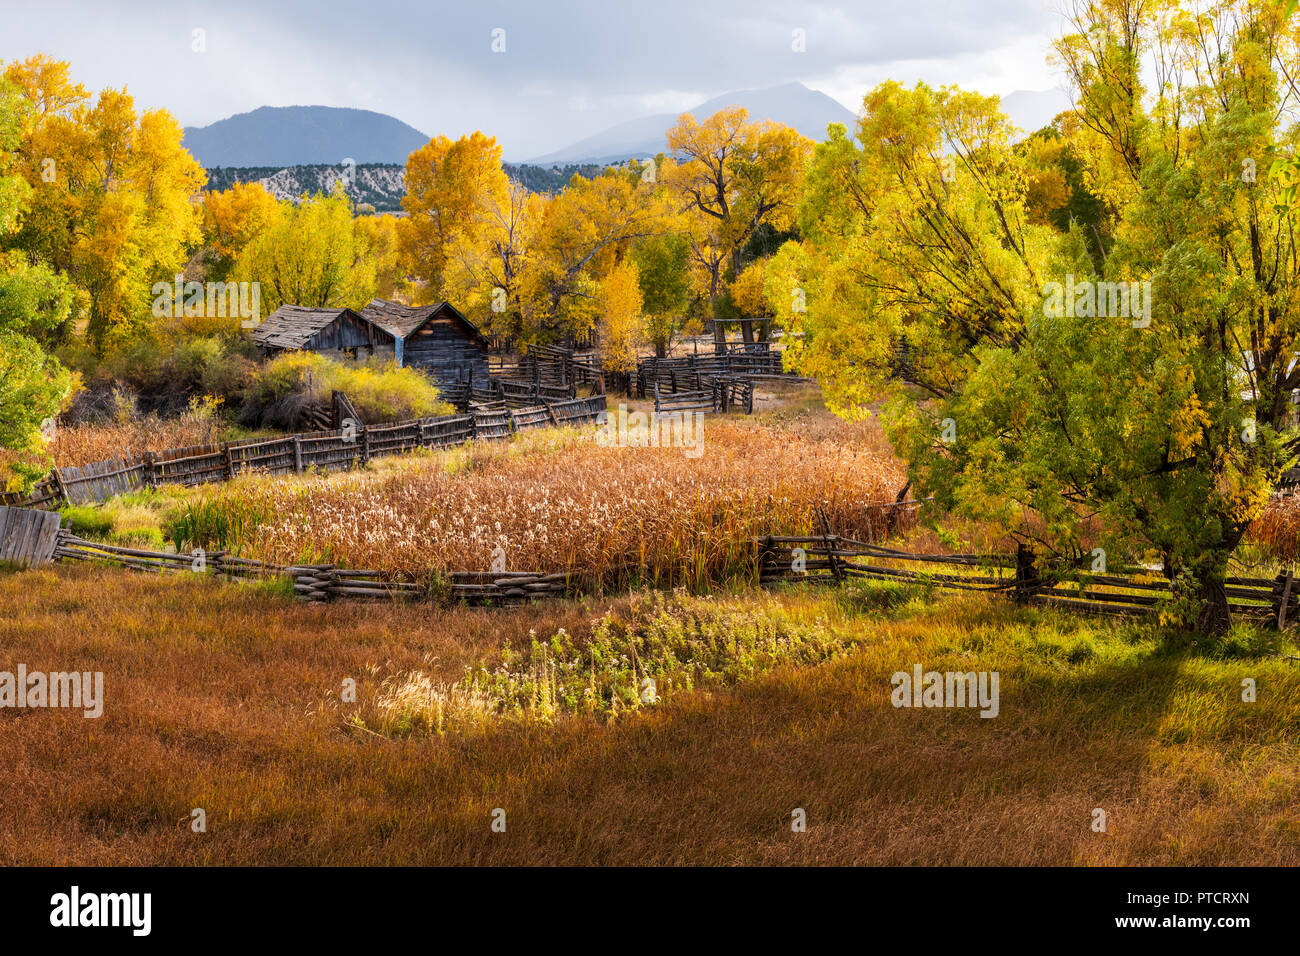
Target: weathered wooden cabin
[(437, 339), (337, 333)]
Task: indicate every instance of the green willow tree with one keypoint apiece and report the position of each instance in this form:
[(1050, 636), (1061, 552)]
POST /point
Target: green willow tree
[(35, 308), (1141, 403)]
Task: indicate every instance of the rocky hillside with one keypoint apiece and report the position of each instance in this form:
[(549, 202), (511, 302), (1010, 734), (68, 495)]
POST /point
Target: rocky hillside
[(379, 186)]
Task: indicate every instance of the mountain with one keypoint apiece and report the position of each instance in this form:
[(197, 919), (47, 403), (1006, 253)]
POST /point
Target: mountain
[(792, 104), (1031, 110), (302, 136)]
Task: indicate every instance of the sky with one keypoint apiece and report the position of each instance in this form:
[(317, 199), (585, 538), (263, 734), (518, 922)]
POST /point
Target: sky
[(537, 74)]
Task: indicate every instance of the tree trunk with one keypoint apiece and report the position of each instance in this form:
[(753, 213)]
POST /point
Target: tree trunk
[(1214, 616), (746, 328)]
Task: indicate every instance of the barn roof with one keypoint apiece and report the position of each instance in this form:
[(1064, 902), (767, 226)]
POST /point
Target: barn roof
[(292, 326), (403, 320)]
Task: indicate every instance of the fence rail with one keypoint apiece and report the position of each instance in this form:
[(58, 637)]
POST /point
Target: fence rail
[(696, 372), (312, 582), (34, 536), (1125, 590), (714, 395), (293, 454)]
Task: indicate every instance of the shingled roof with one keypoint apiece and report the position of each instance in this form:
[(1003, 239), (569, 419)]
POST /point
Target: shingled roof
[(402, 320), (292, 326)]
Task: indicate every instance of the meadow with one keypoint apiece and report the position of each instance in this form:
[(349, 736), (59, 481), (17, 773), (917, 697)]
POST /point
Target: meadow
[(682, 718), (230, 699)]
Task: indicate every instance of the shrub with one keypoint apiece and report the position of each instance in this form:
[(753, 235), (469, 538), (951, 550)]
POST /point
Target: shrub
[(380, 391), (167, 371)]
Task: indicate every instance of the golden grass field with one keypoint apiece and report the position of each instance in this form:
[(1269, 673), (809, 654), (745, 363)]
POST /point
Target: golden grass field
[(814, 459), (226, 697), (557, 500), (230, 697)]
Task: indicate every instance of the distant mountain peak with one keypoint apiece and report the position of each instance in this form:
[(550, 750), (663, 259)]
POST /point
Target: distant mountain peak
[(303, 136), (793, 104)]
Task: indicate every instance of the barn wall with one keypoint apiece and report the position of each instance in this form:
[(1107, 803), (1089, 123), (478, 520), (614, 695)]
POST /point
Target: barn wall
[(447, 350), (348, 332)]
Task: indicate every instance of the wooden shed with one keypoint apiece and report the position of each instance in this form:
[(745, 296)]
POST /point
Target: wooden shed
[(339, 333), (437, 339)]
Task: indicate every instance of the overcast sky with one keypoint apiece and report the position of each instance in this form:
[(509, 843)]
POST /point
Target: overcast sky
[(570, 67)]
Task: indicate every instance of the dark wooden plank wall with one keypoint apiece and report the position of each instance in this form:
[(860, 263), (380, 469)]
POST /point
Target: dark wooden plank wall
[(349, 332), (27, 537), (444, 349)]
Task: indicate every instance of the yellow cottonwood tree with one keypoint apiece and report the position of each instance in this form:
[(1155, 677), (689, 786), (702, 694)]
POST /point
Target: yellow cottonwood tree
[(311, 256), (580, 239), (34, 306), (485, 276), (450, 187), (232, 219), (620, 327), (734, 176), (1150, 404), (114, 203)]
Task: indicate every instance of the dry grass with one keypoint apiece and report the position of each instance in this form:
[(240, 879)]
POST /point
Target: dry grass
[(1278, 529), (85, 444), (556, 500), (227, 698)]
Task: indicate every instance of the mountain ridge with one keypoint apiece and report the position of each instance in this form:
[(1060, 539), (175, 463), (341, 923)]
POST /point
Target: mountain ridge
[(302, 136), (793, 104)]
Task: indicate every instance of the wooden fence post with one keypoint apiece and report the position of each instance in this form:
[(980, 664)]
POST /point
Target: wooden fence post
[(764, 551), (297, 454), (828, 540), (1283, 600), (1026, 574), (60, 489)]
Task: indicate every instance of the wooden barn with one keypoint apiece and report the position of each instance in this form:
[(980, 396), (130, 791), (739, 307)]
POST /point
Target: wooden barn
[(338, 333), (437, 339)]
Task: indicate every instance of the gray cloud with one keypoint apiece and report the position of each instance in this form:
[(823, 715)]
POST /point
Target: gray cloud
[(569, 68)]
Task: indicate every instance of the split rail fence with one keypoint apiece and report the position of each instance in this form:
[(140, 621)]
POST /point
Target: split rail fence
[(720, 395), (329, 450), (31, 537), (322, 582), (697, 372), (1124, 591)]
